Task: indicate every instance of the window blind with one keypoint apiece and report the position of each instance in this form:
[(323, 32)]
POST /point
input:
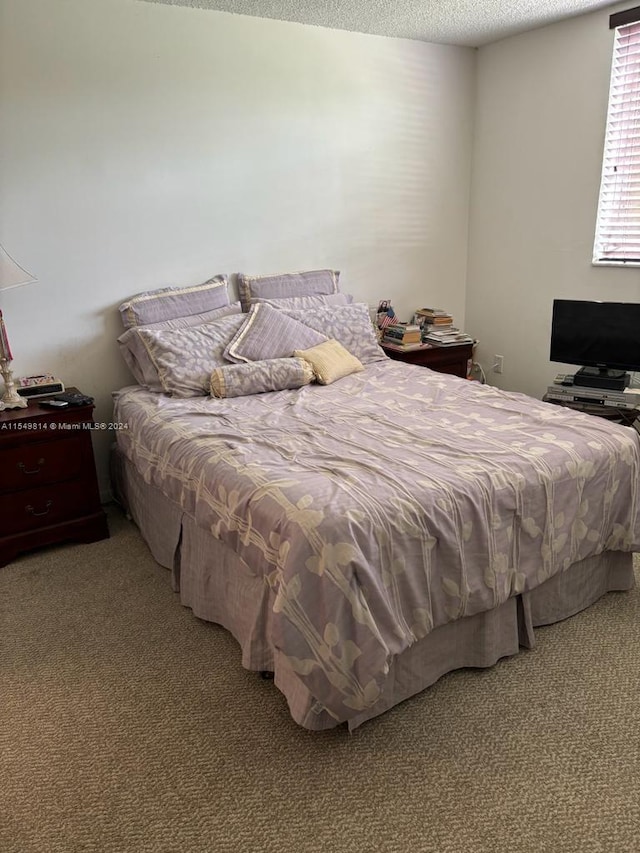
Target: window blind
[(618, 224)]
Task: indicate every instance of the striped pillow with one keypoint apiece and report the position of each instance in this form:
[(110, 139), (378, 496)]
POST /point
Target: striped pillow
[(270, 333), (301, 302), (166, 303), (284, 285)]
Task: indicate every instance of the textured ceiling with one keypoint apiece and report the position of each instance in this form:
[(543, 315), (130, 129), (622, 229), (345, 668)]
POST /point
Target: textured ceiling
[(464, 22)]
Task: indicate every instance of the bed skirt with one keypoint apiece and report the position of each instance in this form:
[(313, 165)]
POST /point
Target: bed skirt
[(220, 587)]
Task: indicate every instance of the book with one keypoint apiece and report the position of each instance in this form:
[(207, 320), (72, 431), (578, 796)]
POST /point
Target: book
[(411, 339), (394, 345), (432, 312), (405, 333), (397, 340), (452, 331), (450, 342), (450, 335), (405, 328)]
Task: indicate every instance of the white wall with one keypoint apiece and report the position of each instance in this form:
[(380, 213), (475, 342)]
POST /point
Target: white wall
[(145, 145), (540, 122)]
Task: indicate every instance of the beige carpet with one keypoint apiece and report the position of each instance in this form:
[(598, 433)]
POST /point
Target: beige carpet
[(128, 725)]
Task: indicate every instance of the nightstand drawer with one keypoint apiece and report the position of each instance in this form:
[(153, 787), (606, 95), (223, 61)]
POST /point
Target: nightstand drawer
[(37, 463), (34, 508)]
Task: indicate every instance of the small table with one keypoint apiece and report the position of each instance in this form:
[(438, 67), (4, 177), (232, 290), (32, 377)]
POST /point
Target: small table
[(449, 359), (48, 484), (618, 415)]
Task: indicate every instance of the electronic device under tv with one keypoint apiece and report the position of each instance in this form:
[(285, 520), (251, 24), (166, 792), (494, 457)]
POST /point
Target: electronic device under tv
[(603, 337)]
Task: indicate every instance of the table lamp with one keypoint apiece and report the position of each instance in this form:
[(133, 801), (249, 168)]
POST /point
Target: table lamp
[(11, 275)]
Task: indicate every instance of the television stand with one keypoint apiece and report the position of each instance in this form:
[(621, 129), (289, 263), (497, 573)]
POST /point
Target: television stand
[(602, 377), (617, 414)]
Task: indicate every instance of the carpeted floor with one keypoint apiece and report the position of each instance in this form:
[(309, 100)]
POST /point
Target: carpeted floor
[(128, 725)]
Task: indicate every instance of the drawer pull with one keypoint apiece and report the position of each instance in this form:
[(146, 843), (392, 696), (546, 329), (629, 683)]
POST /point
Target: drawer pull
[(24, 470), (30, 509)]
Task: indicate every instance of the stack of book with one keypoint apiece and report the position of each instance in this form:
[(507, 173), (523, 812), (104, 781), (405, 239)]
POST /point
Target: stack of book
[(403, 336), (434, 318), (438, 329), (447, 337)]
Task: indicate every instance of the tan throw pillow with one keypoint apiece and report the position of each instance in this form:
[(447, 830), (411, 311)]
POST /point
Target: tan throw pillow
[(330, 361)]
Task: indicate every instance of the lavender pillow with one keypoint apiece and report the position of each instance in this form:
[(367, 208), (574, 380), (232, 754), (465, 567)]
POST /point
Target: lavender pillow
[(167, 303), (185, 358), (269, 333), (137, 356), (350, 325), (285, 285), (256, 377), (295, 302)]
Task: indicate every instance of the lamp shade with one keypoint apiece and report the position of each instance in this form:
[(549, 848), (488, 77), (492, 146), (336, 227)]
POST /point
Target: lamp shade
[(11, 273)]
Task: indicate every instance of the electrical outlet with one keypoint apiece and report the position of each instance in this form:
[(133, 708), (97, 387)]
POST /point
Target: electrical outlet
[(498, 361)]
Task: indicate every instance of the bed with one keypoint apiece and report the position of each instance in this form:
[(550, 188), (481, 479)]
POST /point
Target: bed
[(361, 538)]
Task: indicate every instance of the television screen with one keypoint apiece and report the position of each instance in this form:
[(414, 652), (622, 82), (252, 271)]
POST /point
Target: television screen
[(596, 334)]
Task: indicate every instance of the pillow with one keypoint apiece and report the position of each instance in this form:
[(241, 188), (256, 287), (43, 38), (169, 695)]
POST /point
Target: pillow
[(273, 374), (185, 358), (136, 354), (306, 301), (285, 285), (269, 333), (349, 324), (166, 303), (330, 361)]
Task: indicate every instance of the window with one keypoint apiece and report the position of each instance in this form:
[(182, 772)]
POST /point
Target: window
[(618, 224)]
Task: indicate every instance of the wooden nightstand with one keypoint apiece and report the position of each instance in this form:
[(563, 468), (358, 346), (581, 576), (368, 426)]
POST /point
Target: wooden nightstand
[(48, 485), (443, 359)]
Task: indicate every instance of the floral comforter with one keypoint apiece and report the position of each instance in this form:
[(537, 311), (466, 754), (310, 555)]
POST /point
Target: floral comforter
[(387, 504)]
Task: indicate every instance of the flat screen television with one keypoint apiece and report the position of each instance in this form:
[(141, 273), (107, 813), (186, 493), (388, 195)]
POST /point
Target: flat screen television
[(603, 337)]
